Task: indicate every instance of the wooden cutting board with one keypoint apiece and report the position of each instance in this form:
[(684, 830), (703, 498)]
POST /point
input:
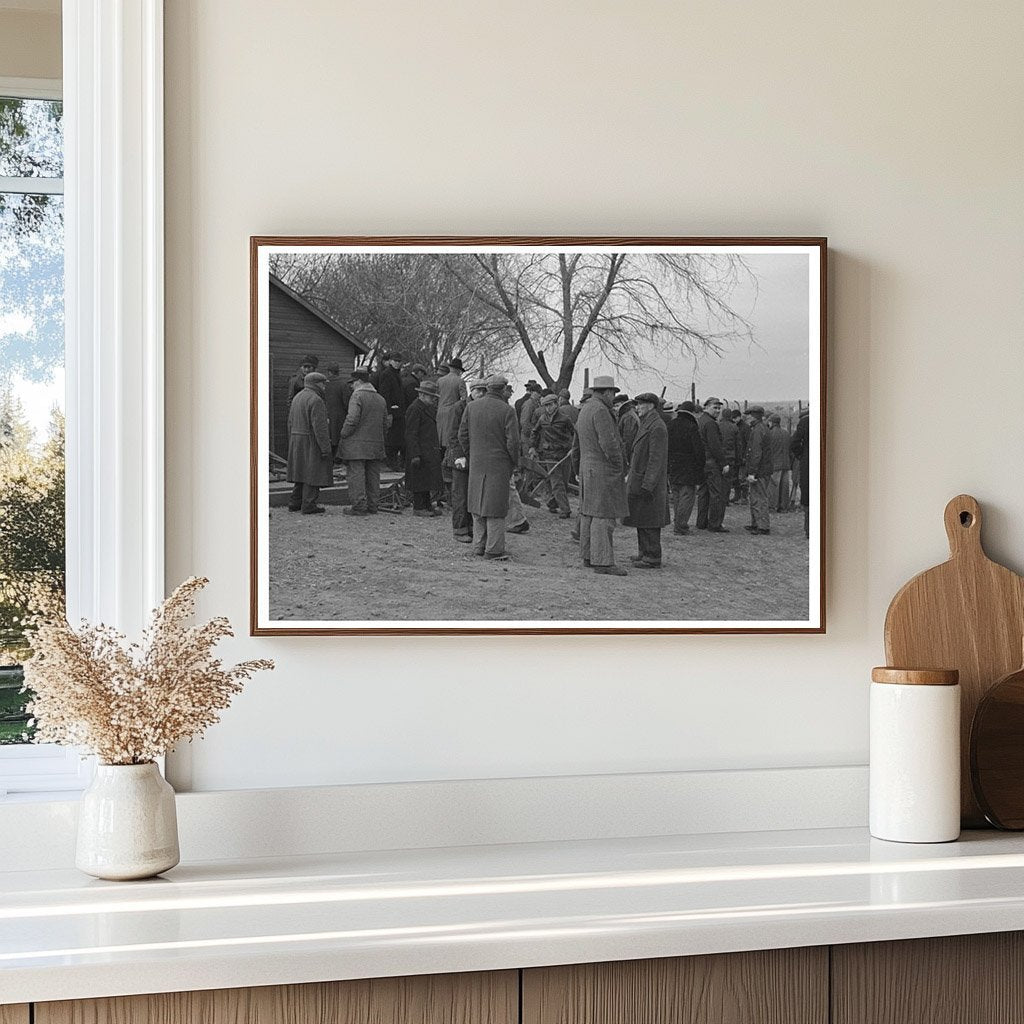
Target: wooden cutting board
[(967, 614)]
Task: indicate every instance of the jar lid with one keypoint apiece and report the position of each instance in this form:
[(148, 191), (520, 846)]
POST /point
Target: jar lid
[(916, 676)]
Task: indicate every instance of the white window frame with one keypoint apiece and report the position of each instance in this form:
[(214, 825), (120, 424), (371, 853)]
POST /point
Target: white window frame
[(114, 346)]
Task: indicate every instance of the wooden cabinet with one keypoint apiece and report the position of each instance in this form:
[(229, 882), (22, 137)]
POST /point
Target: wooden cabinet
[(491, 998), (777, 986), (962, 979), (967, 979)]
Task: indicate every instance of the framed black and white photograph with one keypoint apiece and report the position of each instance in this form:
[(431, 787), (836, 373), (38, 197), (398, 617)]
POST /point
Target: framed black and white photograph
[(537, 435)]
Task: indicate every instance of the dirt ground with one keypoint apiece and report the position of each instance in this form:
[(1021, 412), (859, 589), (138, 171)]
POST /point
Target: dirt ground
[(334, 567)]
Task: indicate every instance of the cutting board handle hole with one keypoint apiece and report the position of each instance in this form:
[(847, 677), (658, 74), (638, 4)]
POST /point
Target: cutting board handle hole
[(966, 519)]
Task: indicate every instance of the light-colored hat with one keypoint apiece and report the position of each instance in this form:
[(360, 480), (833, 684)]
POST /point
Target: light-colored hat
[(603, 384), (480, 384), (313, 378), (429, 387), (549, 400), (497, 383)]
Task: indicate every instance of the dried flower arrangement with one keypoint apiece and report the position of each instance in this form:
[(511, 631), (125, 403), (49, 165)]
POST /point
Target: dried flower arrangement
[(129, 704)]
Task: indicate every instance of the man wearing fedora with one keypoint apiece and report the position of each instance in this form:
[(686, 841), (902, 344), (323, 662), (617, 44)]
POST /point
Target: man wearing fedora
[(423, 450), (456, 460), (362, 444), (309, 446), (602, 479), (647, 484), (388, 382), (489, 437)]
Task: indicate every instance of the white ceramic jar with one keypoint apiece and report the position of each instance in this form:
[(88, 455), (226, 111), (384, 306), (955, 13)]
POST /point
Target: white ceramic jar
[(127, 823), (915, 755)]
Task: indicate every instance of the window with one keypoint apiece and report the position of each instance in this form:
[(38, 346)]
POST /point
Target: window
[(32, 532)]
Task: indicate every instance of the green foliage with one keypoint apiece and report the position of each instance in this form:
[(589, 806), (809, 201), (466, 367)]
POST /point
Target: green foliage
[(31, 526)]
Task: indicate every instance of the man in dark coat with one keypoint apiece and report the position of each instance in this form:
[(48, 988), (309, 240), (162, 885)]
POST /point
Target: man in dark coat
[(712, 493), (800, 449), (531, 386), (602, 479), (551, 442), (628, 423), (309, 446), (362, 444), (647, 482), (778, 440), (759, 472), (462, 522), (297, 380), (742, 440), (389, 384), (730, 447), (336, 397), (685, 464), (411, 381), (489, 435), (423, 450)]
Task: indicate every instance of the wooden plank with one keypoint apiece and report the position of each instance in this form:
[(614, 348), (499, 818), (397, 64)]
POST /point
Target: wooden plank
[(14, 1014), (479, 998), (967, 614), (961, 979), (779, 986)]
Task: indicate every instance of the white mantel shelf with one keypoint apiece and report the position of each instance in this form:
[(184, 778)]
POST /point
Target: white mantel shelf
[(227, 924)]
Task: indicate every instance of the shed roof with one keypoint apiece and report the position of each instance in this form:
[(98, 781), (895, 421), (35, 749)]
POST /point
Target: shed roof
[(276, 282)]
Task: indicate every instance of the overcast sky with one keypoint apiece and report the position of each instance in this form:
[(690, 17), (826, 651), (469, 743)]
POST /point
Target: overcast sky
[(772, 369)]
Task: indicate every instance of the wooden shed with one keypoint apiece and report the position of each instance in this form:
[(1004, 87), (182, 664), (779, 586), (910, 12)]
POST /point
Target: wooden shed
[(299, 328)]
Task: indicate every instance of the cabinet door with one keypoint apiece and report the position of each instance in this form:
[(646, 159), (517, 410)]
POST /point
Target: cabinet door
[(483, 998), (778, 986), (961, 979), (14, 1014)]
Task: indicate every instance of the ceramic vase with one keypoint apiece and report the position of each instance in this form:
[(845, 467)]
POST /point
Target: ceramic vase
[(127, 825)]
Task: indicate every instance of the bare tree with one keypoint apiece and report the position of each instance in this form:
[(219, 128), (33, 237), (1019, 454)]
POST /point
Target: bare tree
[(401, 301), (625, 306)]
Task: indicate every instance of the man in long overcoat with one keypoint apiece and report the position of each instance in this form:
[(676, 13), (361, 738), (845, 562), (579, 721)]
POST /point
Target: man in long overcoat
[(685, 464), (336, 397), (388, 382), (451, 389), (462, 521), (759, 472), (362, 444), (647, 481), (800, 449), (730, 448), (602, 480), (309, 446), (490, 435), (423, 450), (712, 494)]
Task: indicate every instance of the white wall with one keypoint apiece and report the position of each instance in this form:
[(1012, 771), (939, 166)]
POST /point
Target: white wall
[(894, 129)]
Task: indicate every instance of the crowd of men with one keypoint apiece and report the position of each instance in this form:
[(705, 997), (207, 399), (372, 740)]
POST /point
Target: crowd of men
[(640, 462)]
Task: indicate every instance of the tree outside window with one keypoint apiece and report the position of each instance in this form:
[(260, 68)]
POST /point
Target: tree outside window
[(31, 386)]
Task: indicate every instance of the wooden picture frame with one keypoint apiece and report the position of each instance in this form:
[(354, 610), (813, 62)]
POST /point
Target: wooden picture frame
[(299, 567)]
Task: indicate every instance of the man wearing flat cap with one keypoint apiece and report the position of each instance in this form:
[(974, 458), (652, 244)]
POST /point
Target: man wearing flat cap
[(685, 464), (647, 482), (309, 446), (489, 435), (423, 450), (713, 493), (362, 444), (759, 472), (297, 380), (602, 479)]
